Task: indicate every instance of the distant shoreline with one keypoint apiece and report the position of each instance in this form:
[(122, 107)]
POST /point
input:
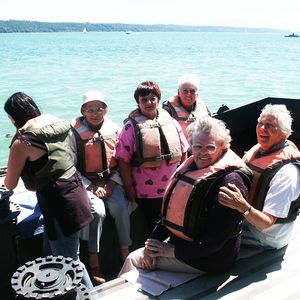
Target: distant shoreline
[(14, 26)]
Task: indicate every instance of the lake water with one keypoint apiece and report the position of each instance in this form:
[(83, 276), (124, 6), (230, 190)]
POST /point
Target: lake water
[(55, 69)]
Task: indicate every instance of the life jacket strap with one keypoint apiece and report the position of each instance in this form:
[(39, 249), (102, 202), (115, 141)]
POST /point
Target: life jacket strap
[(177, 227)]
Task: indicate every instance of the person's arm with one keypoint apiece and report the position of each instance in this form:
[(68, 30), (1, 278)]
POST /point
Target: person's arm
[(155, 247), (283, 189), (233, 198), (126, 174), (124, 152), (17, 158)]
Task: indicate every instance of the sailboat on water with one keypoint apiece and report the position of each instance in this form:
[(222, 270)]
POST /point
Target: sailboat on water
[(84, 30)]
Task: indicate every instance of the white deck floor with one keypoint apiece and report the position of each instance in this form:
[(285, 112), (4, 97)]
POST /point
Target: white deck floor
[(271, 274)]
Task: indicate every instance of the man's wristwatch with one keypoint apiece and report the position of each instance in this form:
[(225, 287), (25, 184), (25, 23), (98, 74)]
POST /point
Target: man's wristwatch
[(247, 211)]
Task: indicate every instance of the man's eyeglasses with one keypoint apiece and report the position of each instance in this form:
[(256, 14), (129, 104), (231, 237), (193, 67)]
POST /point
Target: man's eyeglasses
[(267, 126), (186, 91), (94, 110), (210, 148)]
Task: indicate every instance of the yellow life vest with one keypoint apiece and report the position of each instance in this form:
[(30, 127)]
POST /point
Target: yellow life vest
[(156, 140), (95, 148), (185, 198), (264, 167)]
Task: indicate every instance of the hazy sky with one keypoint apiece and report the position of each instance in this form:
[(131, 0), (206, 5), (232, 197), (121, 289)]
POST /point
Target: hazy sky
[(282, 14)]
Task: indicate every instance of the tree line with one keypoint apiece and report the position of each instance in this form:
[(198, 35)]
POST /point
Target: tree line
[(11, 26)]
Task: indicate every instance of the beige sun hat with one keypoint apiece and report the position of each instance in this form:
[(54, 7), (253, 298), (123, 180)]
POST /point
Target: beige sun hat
[(93, 96)]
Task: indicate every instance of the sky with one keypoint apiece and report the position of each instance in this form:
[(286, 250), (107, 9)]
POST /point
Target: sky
[(278, 14)]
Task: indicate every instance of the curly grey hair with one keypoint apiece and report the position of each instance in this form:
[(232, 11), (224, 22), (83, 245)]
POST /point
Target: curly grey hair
[(281, 114), (210, 126)]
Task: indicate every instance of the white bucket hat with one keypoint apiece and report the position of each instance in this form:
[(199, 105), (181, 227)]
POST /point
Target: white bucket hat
[(93, 96)]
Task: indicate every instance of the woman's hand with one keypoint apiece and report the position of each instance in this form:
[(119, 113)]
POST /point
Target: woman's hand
[(99, 190), (159, 249), (108, 187), (146, 261), (126, 174), (130, 193), (233, 198)]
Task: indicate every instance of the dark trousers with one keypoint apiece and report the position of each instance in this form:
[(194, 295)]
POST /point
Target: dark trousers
[(151, 209)]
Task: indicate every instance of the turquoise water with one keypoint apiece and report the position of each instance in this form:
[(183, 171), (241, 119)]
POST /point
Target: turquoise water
[(57, 68)]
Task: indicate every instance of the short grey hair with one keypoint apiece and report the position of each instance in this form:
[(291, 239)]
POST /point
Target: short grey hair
[(281, 114), (189, 78), (210, 126)]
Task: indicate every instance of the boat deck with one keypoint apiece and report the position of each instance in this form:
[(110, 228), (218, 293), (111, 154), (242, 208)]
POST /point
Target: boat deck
[(272, 274), (269, 274)]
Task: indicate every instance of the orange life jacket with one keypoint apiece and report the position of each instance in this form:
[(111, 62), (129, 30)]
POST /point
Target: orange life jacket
[(264, 168), (95, 149), (179, 113), (156, 140), (185, 199)]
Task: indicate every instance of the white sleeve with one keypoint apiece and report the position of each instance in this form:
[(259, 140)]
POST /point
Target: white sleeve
[(284, 188)]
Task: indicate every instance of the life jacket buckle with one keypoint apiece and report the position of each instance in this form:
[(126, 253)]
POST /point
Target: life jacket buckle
[(166, 156), (98, 138), (103, 173)]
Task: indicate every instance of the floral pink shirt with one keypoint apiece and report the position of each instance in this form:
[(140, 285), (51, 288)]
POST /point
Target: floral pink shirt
[(148, 182)]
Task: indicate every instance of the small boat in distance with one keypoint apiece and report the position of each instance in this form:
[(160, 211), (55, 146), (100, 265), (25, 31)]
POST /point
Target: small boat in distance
[(293, 35), (128, 32), (84, 30)]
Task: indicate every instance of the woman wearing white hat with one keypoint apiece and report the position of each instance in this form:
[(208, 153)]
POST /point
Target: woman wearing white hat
[(94, 139)]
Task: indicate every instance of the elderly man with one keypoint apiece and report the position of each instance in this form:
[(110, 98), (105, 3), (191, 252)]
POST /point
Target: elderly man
[(186, 105), (273, 200)]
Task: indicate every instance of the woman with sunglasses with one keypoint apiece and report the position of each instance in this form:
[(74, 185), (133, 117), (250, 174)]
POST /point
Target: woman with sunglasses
[(186, 105), (203, 235)]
